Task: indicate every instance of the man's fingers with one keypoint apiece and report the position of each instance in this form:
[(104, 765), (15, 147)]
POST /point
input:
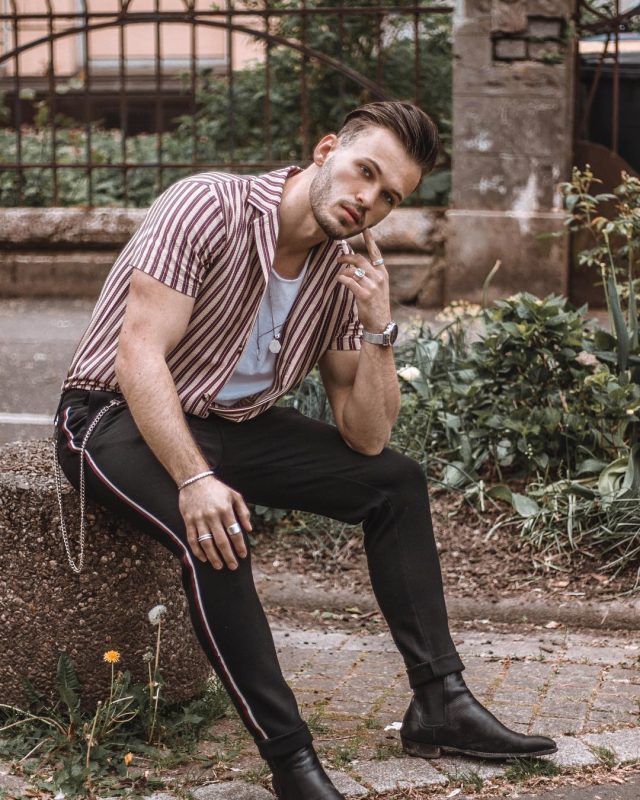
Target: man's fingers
[(358, 287), (236, 539), (223, 544), (242, 512), (207, 544), (192, 537), (372, 247)]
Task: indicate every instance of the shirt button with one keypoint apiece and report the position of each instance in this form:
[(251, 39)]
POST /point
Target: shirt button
[(206, 397)]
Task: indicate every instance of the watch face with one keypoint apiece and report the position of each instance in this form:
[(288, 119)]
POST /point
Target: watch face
[(393, 332)]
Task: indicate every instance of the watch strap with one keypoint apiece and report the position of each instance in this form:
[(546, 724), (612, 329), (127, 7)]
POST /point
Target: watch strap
[(383, 338)]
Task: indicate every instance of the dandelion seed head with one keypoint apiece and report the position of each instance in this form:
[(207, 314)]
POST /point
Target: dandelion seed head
[(156, 614)]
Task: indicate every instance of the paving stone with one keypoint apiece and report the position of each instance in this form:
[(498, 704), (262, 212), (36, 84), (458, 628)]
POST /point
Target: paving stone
[(162, 796), (624, 743), (346, 785), (398, 773), (456, 768), (231, 790), (11, 785), (572, 752)]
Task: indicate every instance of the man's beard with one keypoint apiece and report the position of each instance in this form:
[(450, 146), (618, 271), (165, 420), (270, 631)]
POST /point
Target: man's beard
[(320, 199)]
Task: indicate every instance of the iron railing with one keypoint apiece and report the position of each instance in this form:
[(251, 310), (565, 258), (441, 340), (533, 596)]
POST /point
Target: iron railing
[(610, 21), (315, 61)]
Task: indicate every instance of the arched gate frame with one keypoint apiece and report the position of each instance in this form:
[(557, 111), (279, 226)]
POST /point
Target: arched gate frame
[(233, 20)]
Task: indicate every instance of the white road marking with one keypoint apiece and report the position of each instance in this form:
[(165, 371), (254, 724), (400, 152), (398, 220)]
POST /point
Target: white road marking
[(8, 418)]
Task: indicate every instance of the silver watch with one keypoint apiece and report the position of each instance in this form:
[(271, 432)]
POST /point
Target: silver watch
[(386, 338)]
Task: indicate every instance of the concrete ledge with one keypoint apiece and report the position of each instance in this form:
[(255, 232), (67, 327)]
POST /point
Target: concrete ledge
[(67, 252), (305, 593)]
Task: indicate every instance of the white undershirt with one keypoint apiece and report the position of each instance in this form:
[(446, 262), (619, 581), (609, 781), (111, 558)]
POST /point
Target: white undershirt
[(256, 369)]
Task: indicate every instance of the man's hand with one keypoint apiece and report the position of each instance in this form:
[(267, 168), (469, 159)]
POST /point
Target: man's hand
[(371, 290), (209, 507)]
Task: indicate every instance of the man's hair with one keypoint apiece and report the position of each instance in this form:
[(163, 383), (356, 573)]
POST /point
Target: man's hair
[(416, 130)]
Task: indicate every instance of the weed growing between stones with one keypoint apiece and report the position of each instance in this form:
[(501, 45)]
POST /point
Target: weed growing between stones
[(606, 756), (471, 781), (521, 769), (67, 748)]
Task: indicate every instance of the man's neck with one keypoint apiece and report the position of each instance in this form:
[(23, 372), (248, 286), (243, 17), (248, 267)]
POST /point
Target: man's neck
[(299, 231)]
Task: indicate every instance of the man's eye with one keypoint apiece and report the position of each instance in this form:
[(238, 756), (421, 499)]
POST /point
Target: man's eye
[(365, 170), (388, 198)]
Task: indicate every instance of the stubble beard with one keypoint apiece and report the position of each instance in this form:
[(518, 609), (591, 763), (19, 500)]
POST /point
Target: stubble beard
[(320, 201)]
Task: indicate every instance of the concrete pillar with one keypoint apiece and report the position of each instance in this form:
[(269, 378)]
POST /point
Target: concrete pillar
[(513, 143)]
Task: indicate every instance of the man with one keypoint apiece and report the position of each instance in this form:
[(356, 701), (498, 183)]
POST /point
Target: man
[(229, 293)]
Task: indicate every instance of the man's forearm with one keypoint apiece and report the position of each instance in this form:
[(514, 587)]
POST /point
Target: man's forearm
[(373, 404), (151, 395)]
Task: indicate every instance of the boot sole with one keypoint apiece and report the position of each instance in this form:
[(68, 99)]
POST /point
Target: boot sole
[(422, 750)]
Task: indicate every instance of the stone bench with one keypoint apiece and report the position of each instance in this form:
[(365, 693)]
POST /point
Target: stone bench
[(45, 608)]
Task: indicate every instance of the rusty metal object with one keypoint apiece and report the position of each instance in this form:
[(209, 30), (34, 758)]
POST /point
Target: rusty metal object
[(260, 21)]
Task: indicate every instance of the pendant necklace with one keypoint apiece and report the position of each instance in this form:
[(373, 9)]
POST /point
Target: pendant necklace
[(274, 345)]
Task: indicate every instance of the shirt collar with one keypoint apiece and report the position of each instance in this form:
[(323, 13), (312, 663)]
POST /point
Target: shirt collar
[(266, 190)]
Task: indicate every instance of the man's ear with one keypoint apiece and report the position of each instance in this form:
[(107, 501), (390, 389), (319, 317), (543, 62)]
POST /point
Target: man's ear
[(324, 148)]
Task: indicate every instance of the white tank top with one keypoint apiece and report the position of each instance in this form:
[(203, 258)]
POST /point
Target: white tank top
[(256, 369)]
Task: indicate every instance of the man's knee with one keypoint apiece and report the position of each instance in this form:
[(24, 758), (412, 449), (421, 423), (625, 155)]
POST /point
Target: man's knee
[(396, 473)]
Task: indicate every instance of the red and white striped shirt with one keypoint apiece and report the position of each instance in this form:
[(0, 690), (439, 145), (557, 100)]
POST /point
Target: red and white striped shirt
[(213, 237)]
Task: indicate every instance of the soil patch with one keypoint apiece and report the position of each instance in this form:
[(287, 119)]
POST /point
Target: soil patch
[(476, 560)]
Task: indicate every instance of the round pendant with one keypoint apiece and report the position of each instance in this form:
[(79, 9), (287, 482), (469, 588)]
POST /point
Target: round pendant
[(275, 346)]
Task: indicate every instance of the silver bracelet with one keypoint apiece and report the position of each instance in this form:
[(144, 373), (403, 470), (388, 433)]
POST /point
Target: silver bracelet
[(195, 478)]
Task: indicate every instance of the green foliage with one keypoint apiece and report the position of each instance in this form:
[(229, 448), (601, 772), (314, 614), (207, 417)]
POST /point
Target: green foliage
[(522, 769), (525, 398), (87, 750)]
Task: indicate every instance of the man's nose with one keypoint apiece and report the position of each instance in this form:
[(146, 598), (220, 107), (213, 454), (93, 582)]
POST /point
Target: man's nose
[(364, 198)]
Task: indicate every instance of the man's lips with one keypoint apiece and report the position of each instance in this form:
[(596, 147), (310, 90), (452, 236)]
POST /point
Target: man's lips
[(353, 214)]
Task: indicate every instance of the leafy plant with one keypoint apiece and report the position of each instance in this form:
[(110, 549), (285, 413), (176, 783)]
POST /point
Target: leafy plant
[(87, 750)]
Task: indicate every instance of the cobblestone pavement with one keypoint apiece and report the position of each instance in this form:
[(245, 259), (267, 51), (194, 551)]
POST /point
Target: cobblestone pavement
[(581, 688)]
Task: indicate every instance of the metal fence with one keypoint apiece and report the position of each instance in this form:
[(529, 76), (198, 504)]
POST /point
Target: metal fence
[(614, 23), (111, 103)]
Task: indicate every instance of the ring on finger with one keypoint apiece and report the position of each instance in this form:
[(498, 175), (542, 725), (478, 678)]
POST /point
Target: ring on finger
[(378, 262), (234, 529), (359, 273), (205, 536)]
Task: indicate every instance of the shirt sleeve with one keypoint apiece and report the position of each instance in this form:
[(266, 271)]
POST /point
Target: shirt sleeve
[(183, 231), (349, 331)]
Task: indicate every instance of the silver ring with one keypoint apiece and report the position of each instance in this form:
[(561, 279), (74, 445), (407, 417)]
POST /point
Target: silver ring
[(359, 273), (205, 536), (378, 262), (234, 530)]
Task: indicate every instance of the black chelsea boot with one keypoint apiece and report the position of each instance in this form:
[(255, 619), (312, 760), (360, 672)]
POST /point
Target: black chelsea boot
[(300, 776), (444, 717)]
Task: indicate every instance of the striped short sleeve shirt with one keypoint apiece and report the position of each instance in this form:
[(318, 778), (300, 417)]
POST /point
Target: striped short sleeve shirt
[(213, 237)]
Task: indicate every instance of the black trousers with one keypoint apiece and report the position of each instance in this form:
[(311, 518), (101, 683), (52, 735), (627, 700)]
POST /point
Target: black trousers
[(280, 459)]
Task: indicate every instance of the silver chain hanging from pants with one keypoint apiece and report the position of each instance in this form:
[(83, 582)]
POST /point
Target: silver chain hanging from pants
[(77, 568)]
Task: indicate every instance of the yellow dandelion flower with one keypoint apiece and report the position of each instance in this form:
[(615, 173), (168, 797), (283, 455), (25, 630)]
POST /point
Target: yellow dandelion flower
[(111, 656), (128, 759)]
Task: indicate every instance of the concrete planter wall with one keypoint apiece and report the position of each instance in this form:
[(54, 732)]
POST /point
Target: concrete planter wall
[(67, 252), (46, 608)]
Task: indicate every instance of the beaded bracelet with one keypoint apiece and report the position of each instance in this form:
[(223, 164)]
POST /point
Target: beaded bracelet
[(195, 478)]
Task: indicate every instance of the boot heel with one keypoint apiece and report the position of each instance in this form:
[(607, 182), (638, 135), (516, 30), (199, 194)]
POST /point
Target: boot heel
[(420, 749)]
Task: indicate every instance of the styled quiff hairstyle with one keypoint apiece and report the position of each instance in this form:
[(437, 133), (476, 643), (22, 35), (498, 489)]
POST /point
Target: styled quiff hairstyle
[(416, 130)]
